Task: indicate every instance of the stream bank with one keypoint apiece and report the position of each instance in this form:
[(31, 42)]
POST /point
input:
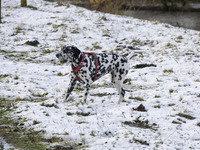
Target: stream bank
[(186, 16)]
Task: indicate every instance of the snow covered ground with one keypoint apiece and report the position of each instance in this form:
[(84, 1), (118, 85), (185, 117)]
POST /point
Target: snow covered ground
[(32, 78), (4, 144)]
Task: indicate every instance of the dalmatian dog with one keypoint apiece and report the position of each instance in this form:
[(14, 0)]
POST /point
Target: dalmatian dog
[(89, 67)]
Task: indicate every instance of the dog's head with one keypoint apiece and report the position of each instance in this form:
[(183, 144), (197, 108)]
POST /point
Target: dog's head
[(68, 54)]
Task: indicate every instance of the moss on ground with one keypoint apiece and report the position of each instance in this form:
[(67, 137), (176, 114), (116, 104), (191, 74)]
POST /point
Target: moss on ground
[(15, 133)]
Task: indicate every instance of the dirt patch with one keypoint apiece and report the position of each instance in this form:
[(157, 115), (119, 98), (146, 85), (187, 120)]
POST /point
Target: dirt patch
[(141, 123), (140, 108)]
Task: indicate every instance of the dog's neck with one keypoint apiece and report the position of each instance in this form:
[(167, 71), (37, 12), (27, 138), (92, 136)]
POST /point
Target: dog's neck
[(76, 61)]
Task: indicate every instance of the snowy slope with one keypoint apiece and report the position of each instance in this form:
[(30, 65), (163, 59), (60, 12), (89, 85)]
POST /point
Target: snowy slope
[(34, 79)]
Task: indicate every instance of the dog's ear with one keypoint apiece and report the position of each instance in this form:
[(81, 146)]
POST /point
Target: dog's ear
[(64, 48), (76, 52)]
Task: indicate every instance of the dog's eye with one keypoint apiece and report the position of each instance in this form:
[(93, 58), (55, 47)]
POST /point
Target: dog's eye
[(65, 51), (69, 54)]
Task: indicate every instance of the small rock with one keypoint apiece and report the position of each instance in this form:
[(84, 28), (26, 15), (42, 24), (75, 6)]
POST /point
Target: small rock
[(133, 48), (140, 108), (32, 43)]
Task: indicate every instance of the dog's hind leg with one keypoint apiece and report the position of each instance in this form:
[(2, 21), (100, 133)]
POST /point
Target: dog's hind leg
[(117, 79), (118, 85), (121, 91)]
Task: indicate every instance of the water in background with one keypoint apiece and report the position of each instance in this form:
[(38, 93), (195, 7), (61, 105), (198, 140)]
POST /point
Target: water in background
[(185, 19), (189, 20)]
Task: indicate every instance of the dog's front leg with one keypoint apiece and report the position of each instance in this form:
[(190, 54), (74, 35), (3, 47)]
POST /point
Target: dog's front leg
[(71, 86), (86, 92)]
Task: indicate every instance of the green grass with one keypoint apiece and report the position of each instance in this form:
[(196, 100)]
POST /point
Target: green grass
[(49, 105), (176, 122), (13, 131), (82, 113), (69, 113), (2, 76), (17, 31), (171, 91), (127, 81), (60, 74), (168, 71), (24, 56), (42, 95), (180, 37), (171, 104), (156, 106), (136, 98), (141, 123), (17, 56), (140, 141), (102, 94), (92, 133), (47, 51), (186, 116), (95, 46)]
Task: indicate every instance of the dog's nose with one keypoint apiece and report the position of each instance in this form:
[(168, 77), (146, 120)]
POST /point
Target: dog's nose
[(57, 55)]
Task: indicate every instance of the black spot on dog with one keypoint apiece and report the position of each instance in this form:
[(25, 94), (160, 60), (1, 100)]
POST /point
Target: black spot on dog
[(117, 65)]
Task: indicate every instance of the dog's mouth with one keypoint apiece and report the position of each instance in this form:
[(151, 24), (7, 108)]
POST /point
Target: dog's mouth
[(62, 61)]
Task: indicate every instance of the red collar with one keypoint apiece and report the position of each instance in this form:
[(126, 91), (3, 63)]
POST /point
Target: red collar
[(76, 70)]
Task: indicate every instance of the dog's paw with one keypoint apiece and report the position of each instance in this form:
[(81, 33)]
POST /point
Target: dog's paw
[(83, 101), (70, 99)]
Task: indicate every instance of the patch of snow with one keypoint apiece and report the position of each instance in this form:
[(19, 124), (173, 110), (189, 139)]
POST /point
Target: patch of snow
[(38, 82)]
